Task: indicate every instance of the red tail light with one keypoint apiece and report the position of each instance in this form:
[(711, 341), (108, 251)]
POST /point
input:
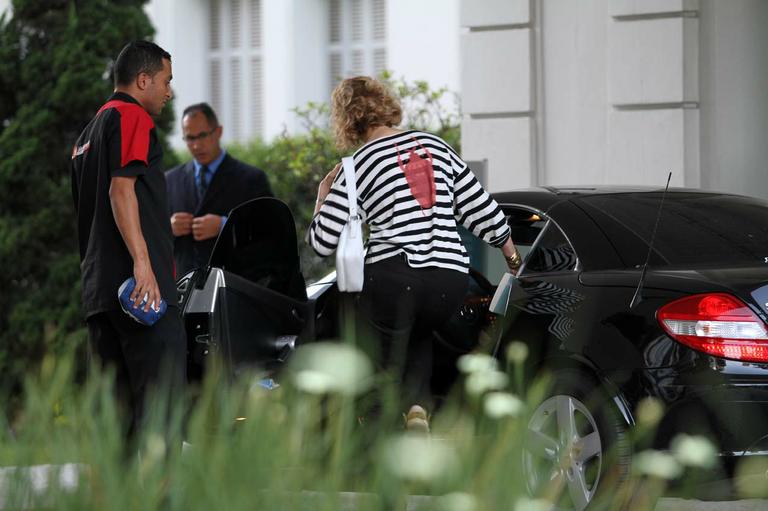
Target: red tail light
[(718, 324)]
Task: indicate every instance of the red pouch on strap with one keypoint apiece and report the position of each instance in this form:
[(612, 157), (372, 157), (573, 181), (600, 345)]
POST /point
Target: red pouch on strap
[(420, 176)]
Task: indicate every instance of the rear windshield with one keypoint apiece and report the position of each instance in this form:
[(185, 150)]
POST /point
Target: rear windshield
[(694, 228)]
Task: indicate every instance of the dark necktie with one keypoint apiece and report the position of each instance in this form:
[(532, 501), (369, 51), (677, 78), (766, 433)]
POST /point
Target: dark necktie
[(202, 186)]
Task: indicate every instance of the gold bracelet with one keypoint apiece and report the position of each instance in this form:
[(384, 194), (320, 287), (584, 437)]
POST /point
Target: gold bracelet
[(514, 260)]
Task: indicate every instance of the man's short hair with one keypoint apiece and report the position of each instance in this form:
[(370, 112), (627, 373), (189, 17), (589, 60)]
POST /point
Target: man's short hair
[(139, 57), (206, 110)]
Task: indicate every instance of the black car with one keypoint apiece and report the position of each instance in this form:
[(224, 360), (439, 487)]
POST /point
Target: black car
[(695, 336), (688, 328)]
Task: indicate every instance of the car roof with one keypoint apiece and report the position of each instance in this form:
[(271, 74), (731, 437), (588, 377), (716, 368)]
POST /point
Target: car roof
[(599, 240), (547, 196), (560, 192)]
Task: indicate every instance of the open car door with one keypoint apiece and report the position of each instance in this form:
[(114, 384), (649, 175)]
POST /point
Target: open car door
[(249, 306)]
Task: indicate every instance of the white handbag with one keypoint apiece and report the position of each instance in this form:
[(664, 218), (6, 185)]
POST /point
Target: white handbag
[(350, 254)]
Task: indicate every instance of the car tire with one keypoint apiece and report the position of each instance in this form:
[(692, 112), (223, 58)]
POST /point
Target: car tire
[(577, 451)]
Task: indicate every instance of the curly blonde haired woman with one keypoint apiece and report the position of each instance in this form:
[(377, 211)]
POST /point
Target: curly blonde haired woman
[(413, 191)]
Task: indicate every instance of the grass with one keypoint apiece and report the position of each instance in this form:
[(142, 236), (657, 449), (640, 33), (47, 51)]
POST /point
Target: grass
[(302, 446)]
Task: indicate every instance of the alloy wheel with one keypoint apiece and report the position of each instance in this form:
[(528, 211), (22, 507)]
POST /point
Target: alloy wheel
[(563, 453)]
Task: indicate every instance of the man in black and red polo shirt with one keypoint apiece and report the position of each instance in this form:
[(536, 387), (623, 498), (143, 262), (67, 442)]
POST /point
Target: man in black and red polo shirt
[(123, 228)]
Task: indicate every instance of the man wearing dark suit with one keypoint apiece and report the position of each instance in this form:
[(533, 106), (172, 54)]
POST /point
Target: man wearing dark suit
[(203, 191)]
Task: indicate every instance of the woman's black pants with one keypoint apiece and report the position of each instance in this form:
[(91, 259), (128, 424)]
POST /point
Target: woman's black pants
[(401, 307)]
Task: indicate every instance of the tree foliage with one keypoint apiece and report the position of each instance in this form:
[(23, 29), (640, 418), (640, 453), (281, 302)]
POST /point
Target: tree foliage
[(55, 72), (296, 163)]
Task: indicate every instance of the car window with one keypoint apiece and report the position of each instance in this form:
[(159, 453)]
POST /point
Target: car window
[(694, 228), (551, 253), (525, 226)]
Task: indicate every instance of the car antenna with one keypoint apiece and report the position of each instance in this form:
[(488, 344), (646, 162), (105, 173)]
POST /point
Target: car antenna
[(638, 297)]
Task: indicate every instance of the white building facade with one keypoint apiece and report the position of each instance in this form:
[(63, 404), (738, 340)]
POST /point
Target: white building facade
[(566, 92), (554, 92), (255, 60)]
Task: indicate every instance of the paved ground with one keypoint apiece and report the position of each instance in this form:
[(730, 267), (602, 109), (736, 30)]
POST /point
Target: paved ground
[(68, 476), (698, 505)]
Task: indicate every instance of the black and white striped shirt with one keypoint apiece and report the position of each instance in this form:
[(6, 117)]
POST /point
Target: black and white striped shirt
[(427, 237)]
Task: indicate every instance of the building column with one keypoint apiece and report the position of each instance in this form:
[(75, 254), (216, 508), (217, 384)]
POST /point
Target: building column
[(589, 92), (497, 86), (653, 93), (734, 102)]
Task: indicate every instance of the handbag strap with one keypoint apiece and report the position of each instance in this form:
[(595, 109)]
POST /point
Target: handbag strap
[(349, 175)]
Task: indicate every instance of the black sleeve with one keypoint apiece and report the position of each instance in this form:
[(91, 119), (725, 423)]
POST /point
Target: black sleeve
[(262, 185)]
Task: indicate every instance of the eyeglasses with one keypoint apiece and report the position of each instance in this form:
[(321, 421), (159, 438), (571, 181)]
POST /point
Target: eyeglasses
[(200, 136)]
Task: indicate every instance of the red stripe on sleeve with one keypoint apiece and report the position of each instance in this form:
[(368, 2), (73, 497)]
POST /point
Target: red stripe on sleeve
[(135, 125)]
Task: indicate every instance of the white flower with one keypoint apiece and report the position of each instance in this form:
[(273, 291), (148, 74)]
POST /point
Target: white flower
[(325, 367), (152, 454), (314, 382), (658, 464), (155, 450), (502, 404), (517, 352), (479, 382), (694, 451), (419, 458), (526, 504), (476, 362), (457, 501), (649, 412)]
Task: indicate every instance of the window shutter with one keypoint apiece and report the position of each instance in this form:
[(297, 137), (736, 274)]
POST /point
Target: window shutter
[(255, 15), (379, 20), (235, 98), (357, 66), (357, 20), (357, 38), (379, 61), (235, 23), (336, 70), (257, 100), (214, 20), (335, 21), (215, 84)]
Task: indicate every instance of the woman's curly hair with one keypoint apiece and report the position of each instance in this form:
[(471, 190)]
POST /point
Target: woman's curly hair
[(358, 104)]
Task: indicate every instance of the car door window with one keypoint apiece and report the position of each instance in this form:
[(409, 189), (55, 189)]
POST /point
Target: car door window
[(551, 252), (525, 226)]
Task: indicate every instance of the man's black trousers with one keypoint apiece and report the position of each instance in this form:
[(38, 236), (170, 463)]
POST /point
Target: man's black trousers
[(149, 361)]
